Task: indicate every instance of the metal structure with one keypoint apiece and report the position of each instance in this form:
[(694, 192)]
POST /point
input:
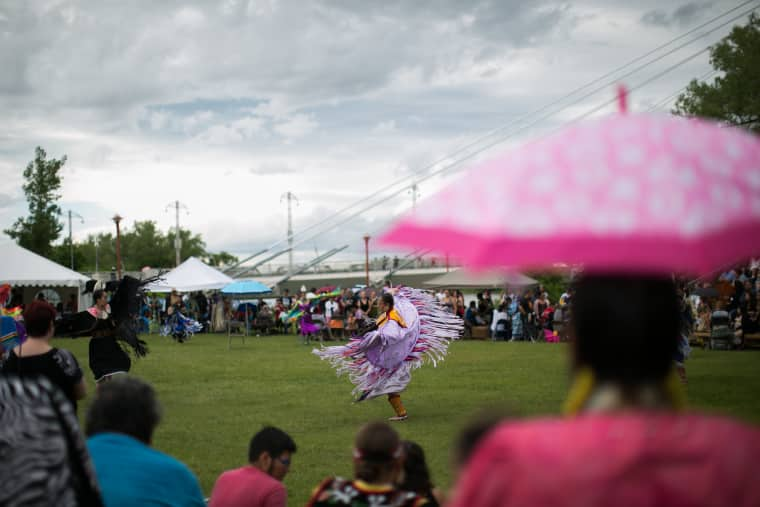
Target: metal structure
[(290, 196), (310, 264), (71, 240), (366, 259)]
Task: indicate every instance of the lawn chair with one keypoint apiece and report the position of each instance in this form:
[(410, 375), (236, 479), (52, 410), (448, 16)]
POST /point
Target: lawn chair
[(235, 328)]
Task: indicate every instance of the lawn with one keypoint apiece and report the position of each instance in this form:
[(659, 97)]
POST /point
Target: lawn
[(215, 399)]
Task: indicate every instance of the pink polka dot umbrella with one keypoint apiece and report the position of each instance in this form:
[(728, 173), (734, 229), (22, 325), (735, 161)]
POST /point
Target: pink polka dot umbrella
[(629, 193)]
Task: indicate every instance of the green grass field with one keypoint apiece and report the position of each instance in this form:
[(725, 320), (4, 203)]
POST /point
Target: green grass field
[(215, 399)]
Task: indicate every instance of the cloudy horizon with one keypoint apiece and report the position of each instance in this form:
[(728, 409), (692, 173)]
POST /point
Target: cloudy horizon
[(227, 106)]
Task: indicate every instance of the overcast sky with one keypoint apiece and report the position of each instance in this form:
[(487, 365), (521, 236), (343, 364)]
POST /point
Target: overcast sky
[(226, 105)]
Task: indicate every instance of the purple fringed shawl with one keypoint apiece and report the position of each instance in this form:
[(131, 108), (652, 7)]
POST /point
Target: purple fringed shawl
[(380, 362)]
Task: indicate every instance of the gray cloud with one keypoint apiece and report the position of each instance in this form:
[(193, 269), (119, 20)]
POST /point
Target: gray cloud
[(682, 16), (8, 200), (331, 99), (272, 169)]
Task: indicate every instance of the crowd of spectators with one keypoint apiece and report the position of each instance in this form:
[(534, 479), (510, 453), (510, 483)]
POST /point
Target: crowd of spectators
[(630, 391), (522, 315), (734, 293)]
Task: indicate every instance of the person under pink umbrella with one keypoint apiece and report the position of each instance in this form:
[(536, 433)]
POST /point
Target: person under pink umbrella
[(640, 197), (627, 440)]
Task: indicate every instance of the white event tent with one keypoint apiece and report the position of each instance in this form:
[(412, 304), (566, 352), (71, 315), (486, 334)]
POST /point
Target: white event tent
[(25, 269), (191, 275)]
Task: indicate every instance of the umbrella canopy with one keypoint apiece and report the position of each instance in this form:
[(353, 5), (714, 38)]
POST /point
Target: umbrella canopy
[(642, 194), (245, 288), (463, 279)]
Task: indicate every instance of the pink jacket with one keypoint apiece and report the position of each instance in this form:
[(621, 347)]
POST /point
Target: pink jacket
[(634, 459)]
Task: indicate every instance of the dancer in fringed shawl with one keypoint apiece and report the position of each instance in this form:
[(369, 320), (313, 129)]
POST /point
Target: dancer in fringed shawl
[(412, 327)]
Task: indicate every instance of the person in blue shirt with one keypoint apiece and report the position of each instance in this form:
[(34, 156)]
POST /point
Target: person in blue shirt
[(119, 426)]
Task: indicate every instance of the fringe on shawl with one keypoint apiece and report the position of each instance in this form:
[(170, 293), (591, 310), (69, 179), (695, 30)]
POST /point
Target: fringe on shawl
[(437, 328)]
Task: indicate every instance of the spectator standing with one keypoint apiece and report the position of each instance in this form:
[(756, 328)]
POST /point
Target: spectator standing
[(331, 308), (515, 316), (500, 325), (258, 484), (632, 445), (120, 425), (37, 358)]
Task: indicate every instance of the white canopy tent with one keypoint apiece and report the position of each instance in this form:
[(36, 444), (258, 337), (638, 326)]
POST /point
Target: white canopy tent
[(23, 268), (464, 279), (191, 275)]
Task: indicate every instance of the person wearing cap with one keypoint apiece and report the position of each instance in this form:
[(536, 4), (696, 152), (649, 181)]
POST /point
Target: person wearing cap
[(378, 463)]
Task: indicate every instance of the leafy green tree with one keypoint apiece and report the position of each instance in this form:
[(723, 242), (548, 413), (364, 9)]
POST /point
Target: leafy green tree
[(41, 228), (734, 96), (220, 259), (192, 245), (145, 245)]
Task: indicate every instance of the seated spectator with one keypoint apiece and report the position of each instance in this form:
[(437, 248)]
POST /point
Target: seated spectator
[(632, 446), (120, 425), (471, 316), (37, 358), (44, 457), (416, 476), (378, 464), (258, 484)]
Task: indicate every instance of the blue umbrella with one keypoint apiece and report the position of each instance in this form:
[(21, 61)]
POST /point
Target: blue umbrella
[(243, 288)]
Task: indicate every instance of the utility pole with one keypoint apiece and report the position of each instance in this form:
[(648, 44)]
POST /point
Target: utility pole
[(415, 191), (290, 197), (71, 241), (116, 218), (177, 238)]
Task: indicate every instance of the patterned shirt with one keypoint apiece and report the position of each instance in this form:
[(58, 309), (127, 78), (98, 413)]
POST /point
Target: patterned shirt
[(357, 493)]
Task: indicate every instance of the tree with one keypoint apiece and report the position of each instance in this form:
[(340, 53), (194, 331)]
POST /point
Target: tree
[(734, 96), (41, 228), (220, 259)]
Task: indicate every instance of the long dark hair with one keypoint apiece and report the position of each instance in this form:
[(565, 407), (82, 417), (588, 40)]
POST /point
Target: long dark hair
[(416, 473), (625, 327)]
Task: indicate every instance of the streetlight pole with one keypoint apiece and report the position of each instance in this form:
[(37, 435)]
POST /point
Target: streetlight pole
[(116, 218), (71, 241), (366, 259)]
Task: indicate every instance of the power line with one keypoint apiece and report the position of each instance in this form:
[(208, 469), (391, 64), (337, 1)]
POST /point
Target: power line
[(417, 176), (661, 103)]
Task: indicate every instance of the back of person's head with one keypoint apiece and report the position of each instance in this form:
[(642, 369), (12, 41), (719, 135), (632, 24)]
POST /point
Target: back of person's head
[(503, 307), (388, 299), (416, 473), (625, 328), (377, 449), (271, 440), (125, 405), (38, 317), (473, 433)]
